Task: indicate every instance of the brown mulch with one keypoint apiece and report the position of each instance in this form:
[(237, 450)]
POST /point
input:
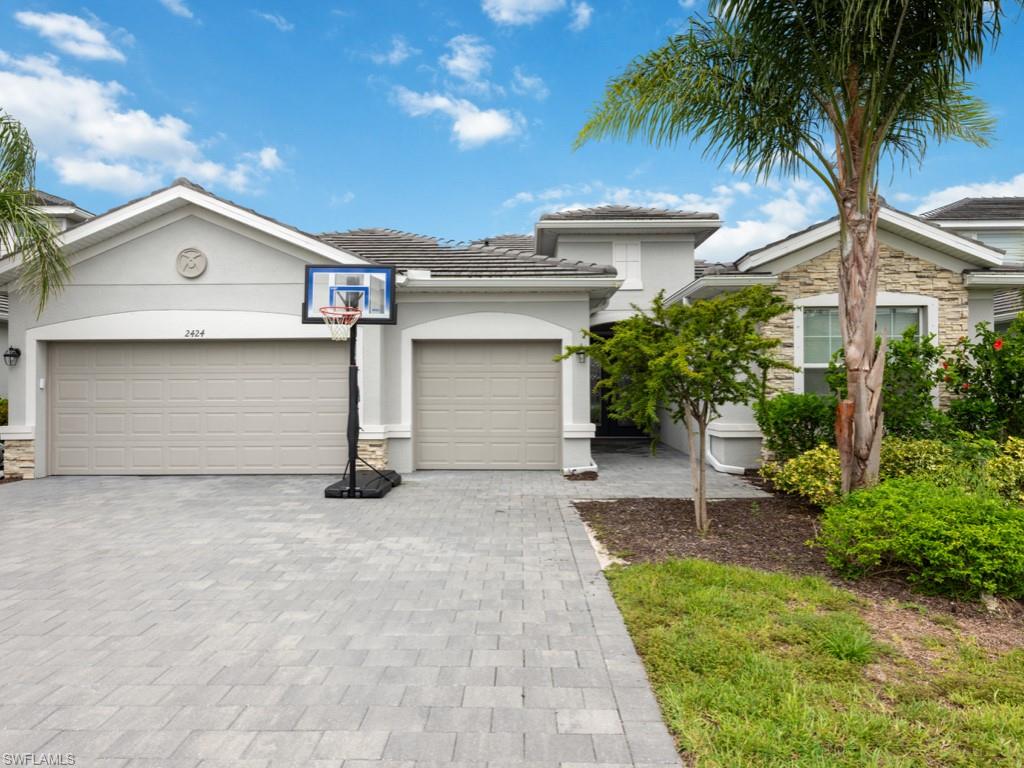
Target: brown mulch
[(772, 534), (10, 479), (588, 475)]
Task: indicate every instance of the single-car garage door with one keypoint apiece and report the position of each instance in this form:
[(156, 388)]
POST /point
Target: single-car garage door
[(200, 407), (487, 405)]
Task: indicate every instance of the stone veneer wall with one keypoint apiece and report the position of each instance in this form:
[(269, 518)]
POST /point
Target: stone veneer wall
[(20, 458), (374, 452), (899, 272)]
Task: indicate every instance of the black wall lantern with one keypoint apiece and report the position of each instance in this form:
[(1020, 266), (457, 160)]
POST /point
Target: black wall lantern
[(11, 356)]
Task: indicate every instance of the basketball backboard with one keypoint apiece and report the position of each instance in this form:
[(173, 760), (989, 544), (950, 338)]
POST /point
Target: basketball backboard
[(332, 286)]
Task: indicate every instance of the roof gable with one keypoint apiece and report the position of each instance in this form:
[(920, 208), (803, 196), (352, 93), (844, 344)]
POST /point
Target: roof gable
[(914, 228), (625, 213)]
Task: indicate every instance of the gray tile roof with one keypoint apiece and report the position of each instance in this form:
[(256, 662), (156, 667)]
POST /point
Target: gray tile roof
[(980, 209), (518, 242), (444, 258), (45, 198), (624, 213), (1007, 304)]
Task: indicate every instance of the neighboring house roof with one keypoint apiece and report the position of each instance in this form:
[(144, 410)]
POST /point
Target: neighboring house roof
[(979, 208), (624, 213), (45, 198), (405, 250)]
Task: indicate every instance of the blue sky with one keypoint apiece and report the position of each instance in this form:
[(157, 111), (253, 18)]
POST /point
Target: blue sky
[(453, 119)]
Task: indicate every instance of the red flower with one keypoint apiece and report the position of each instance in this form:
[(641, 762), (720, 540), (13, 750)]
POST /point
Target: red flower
[(945, 365), (947, 379), (966, 386), (998, 345)]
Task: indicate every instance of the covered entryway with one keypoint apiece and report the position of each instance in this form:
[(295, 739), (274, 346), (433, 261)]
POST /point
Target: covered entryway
[(487, 405), (197, 407)]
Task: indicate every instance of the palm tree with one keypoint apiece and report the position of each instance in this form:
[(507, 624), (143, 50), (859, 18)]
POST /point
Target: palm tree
[(26, 232), (827, 86)]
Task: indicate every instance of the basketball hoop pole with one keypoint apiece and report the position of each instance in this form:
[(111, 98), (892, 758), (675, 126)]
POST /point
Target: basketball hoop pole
[(353, 411)]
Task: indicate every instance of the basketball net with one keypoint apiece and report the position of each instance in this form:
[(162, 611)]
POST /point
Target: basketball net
[(339, 321)]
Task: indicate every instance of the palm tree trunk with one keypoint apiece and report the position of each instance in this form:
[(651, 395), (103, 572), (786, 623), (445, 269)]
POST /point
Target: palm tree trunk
[(859, 416)]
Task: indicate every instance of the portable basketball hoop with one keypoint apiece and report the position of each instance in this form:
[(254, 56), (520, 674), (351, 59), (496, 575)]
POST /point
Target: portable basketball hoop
[(350, 302), (339, 321)]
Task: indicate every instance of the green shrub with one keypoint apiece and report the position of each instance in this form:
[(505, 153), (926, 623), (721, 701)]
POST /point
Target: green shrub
[(792, 424), (944, 540), (813, 475), (3, 412), (904, 458), (912, 371), (1005, 472)]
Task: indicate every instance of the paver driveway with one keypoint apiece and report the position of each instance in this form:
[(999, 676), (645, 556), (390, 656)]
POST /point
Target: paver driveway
[(249, 621)]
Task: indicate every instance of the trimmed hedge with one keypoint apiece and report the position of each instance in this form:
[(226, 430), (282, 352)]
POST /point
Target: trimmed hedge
[(793, 424), (943, 540), (3, 412)]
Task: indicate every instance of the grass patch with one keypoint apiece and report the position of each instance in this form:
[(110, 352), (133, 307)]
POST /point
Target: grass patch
[(765, 669)]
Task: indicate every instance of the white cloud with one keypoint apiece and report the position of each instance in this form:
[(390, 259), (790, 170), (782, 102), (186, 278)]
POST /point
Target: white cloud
[(581, 15), (111, 177), (773, 214), (687, 3), (279, 21), (343, 199), (178, 8), (71, 34), (471, 126), (1013, 187), (529, 85), (516, 12), (400, 51), (268, 159), (468, 59), (82, 129)]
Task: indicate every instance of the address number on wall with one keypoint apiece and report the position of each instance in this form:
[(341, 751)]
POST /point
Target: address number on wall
[(195, 333)]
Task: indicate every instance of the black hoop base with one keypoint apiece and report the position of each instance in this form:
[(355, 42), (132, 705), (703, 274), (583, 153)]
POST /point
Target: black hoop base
[(369, 485)]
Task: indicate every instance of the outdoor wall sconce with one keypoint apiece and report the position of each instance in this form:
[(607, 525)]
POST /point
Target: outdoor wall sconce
[(11, 356), (581, 357)]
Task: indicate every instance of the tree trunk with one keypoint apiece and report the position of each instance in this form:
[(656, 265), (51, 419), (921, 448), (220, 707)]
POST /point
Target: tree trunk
[(700, 494), (859, 416), (695, 432)]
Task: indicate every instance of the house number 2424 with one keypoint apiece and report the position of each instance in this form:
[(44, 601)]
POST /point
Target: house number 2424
[(195, 333)]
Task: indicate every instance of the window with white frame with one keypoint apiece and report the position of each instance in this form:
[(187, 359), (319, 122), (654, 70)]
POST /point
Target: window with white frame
[(822, 337), (626, 260)]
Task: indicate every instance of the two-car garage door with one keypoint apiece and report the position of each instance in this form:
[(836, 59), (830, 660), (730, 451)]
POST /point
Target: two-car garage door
[(197, 407)]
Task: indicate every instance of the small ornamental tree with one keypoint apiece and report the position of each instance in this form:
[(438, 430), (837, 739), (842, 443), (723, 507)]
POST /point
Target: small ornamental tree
[(688, 360)]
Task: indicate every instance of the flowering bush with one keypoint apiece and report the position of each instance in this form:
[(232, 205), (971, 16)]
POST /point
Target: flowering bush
[(1005, 472), (986, 379)]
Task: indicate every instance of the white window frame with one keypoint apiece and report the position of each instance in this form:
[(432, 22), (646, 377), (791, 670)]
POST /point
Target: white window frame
[(928, 305), (628, 262)]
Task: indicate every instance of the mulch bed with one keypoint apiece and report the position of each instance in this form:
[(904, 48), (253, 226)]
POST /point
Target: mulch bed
[(588, 475), (10, 479), (770, 534)]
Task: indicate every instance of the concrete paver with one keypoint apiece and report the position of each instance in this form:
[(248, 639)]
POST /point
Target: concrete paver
[(462, 620)]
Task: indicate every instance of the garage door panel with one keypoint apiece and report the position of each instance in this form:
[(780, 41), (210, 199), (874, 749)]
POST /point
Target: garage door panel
[(487, 405), (197, 407)]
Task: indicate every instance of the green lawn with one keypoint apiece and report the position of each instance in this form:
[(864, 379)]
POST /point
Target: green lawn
[(763, 669)]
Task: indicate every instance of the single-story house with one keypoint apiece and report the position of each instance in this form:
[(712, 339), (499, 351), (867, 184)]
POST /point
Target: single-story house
[(142, 366), (943, 272)]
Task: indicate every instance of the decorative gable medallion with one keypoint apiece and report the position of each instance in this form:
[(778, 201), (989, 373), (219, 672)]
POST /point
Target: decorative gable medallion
[(191, 263)]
